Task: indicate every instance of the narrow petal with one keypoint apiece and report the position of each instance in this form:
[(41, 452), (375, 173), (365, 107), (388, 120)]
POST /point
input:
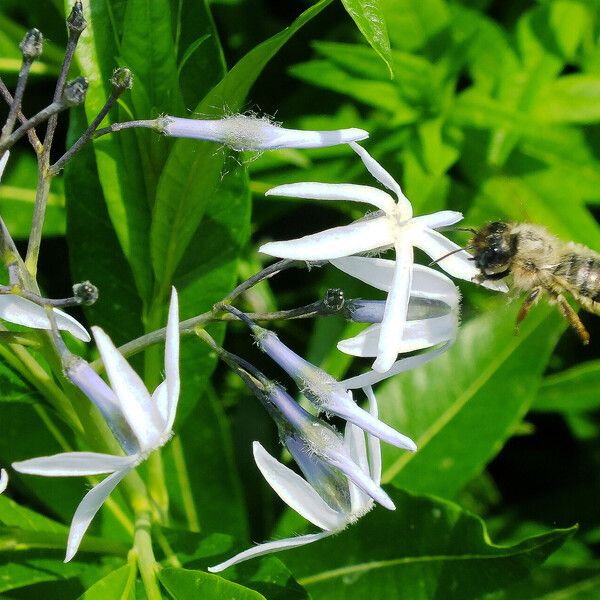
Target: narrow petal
[(3, 161), (355, 474), (21, 311), (355, 443), (459, 265), (88, 508), (137, 405), (335, 191), (384, 178), (353, 413), (70, 464), (295, 491), (400, 366), (442, 218), (172, 360), (396, 309), (379, 273), (373, 442), (360, 236), (3, 473), (298, 138), (269, 547), (418, 334)]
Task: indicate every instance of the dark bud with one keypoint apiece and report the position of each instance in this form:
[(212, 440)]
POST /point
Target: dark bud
[(76, 21), (31, 45), (75, 91), (122, 79), (85, 292), (334, 299)]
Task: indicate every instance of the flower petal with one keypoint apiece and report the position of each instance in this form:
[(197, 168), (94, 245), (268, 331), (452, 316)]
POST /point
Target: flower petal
[(298, 138), (295, 491), (400, 366), (418, 334), (356, 475), (379, 273), (360, 236), (268, 547), (88, 508), (137, 405), (335, 191), (172, 361), (385, 178), (354, 438), (442, 218), (3, 473), (459, 265), (69, 464), (375, 466), (3, 161), (350, 411), (396, 309), (19, 310)]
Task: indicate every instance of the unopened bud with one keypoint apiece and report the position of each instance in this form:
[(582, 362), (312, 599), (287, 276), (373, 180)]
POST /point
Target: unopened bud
[(76, 21), (334, 299), (86, 293), (122, 79), (75, 91), (31, 45)]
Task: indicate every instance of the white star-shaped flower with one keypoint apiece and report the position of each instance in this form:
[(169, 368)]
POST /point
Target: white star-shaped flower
[(393, 225), (326, 498), (141, 422)]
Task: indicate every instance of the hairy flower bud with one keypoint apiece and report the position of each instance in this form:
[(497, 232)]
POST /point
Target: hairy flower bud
[(75, 91), (31, 45), (122, 79)]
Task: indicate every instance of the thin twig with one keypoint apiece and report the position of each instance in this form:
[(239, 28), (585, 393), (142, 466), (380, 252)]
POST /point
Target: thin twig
[(34, 140), (148, 124)]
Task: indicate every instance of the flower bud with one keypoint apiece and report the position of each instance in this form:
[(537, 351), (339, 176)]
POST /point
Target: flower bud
[(122, 79), (75, 91), (241, 132), (371, 311), (76, 21), (31, 45), (86, 293)]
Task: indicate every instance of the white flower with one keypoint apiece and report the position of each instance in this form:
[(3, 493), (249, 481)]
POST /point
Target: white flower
[(242, 132), (431, 326), (392, 225), (20, 311), (141, 422), (322, 498), (3, 473)]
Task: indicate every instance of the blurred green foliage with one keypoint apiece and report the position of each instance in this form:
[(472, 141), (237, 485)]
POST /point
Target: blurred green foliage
[(488, 107)]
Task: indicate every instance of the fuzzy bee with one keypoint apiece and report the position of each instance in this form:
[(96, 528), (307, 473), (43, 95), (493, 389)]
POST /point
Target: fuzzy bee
[(539, 264)]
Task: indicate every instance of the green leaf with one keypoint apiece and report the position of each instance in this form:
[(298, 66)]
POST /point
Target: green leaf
[(427, 548), (119, 163), (94, 250), (570, 99), (183, 585), (462, 407), (118, 585), (14, 389), (572, 391), (193, 173), (370, 20)]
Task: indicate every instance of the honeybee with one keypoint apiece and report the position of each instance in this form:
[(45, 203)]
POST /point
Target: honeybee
[(539, 264)]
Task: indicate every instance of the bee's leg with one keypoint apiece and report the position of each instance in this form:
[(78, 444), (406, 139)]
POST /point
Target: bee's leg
[(526, 307), (573, 318)]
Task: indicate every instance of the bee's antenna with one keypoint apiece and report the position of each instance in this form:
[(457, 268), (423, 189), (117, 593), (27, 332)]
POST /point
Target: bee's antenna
[(452, 228), (437, 260)]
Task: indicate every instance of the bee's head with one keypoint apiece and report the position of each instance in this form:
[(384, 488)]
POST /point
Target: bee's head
[(494, 248)]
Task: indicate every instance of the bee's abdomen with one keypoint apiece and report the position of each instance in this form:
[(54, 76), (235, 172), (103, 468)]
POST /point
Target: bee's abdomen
[(580, 274)]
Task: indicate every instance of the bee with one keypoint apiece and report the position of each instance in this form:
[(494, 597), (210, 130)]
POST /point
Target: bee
[(539, 264)]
